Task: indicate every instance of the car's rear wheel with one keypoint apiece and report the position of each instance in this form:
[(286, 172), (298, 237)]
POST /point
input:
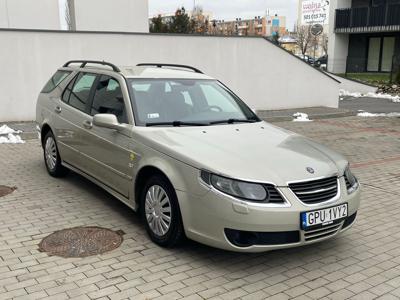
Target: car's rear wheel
[(160, 209), (52, 156)]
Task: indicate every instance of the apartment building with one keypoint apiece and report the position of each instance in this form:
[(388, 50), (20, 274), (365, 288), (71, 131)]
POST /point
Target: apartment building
[(258, 26), (365, 36)]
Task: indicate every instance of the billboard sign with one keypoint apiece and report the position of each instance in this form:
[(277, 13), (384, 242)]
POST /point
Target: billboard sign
[(275, 26), (314, 12)]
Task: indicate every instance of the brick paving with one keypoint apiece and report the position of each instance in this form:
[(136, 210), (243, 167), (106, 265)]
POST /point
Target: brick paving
[(363, 263)]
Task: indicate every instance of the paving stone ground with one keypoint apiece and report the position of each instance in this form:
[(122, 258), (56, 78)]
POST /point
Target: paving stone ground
[(362, 263)]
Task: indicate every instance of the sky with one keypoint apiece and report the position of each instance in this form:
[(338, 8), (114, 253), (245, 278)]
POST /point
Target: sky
[(231, 9)]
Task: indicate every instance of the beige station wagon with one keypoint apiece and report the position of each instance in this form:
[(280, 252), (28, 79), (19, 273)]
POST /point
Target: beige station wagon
[(193, 159)]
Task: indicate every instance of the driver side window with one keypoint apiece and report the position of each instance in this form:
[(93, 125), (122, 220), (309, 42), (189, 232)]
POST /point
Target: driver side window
[(108, 99)]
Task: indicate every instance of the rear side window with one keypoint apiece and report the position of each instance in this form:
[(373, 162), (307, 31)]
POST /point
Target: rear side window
[(55, 80), (77, 93)]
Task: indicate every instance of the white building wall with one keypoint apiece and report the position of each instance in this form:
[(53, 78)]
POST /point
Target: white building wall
[(338, 44), (263, 75), (112, 15), (29, 14)]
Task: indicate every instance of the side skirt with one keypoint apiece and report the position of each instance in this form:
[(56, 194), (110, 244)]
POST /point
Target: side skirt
[(117, 195)]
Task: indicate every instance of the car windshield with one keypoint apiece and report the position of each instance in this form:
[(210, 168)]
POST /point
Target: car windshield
[(186, 102)]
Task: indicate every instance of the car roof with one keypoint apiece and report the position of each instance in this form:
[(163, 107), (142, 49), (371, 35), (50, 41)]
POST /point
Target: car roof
[(165, 72), (145, 72)]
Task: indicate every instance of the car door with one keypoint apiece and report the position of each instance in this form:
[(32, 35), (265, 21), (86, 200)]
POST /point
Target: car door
[(71, 122), (107, 153)]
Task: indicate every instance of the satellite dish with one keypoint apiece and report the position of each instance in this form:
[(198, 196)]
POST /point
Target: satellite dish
[(317, 29)]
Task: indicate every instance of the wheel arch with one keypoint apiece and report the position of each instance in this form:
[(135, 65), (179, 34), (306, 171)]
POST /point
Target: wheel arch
[(44, 130), (144, 174)]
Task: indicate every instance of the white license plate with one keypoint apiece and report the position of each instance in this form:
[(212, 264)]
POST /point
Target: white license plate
[(323, 217)]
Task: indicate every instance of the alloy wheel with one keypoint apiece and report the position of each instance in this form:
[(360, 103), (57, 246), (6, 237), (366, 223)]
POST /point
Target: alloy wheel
[(51, 153), (158, 210)]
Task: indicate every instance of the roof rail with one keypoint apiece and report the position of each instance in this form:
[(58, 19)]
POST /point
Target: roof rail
[(85, 62), (170, 65)]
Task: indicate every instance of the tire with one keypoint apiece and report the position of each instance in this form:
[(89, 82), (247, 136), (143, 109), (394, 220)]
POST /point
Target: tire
[(161, 213), (52, 157)]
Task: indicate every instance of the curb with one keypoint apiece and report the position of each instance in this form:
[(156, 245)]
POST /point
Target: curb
[(312, 117)]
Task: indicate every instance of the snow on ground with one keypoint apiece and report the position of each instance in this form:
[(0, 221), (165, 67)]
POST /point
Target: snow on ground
[(301, 117), (368, 114), (4, 129), (343, 93), (10, 136)]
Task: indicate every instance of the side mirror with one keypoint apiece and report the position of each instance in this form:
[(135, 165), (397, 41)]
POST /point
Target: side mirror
[(107, 121)]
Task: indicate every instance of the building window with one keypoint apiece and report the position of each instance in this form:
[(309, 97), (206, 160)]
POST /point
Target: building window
[(380, 54), (373, 54), (387, 53)]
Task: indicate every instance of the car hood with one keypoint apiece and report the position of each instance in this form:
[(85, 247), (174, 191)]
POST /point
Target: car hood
[(254, 152)]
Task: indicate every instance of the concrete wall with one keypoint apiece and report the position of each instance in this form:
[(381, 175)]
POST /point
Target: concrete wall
[(112, 15), (338, 44), (265, 76), (29, 14)]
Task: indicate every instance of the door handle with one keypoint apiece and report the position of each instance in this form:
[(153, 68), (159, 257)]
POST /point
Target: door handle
[(87, 124), (57, 109)]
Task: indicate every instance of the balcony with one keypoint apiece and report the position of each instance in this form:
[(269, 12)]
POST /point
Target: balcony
[(385, 18)]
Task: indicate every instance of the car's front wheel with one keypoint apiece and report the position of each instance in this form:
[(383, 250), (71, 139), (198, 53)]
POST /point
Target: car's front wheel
[(52, 156), (160, 208)]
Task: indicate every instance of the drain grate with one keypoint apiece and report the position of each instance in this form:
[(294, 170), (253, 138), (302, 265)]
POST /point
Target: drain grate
[(5, 190), (81, 242)]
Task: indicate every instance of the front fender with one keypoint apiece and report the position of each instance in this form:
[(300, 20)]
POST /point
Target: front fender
[(182, 176)]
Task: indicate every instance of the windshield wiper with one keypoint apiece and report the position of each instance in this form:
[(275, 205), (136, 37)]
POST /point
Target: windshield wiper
[(232, 121), (176, 124)]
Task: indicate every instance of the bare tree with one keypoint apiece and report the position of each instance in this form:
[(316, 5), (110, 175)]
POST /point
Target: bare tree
[(325, 43), (304, 38), (200, 22)]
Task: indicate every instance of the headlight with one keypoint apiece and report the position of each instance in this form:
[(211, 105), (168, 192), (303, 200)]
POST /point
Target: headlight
[(239, 189), (351, 180)]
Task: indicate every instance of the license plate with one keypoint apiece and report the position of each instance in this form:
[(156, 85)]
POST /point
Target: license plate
[(323, 217)]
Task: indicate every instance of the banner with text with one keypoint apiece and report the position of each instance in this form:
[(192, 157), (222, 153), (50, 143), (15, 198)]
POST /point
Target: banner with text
[(315, 12)]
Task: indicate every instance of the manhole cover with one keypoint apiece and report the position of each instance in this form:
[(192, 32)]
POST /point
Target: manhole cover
[(5, 190), (81, 241)]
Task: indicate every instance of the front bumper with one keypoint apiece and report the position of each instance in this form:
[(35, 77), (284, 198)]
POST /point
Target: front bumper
[(214, 218)]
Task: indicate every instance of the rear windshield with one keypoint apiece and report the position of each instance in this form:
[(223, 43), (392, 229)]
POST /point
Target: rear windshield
[(55, 80)]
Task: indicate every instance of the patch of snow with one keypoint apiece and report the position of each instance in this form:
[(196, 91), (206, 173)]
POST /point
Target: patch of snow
[(4, 129), (368, 114), (301, 117), (343, 93), (11, 139), (10, 136)]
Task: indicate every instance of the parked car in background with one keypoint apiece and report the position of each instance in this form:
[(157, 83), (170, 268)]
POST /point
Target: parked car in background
[(306, 58), (192, 158), (322, 61)]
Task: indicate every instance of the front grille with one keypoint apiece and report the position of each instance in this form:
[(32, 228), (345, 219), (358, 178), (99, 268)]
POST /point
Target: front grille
[(320, 233), (316, 191), (274, 195)]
